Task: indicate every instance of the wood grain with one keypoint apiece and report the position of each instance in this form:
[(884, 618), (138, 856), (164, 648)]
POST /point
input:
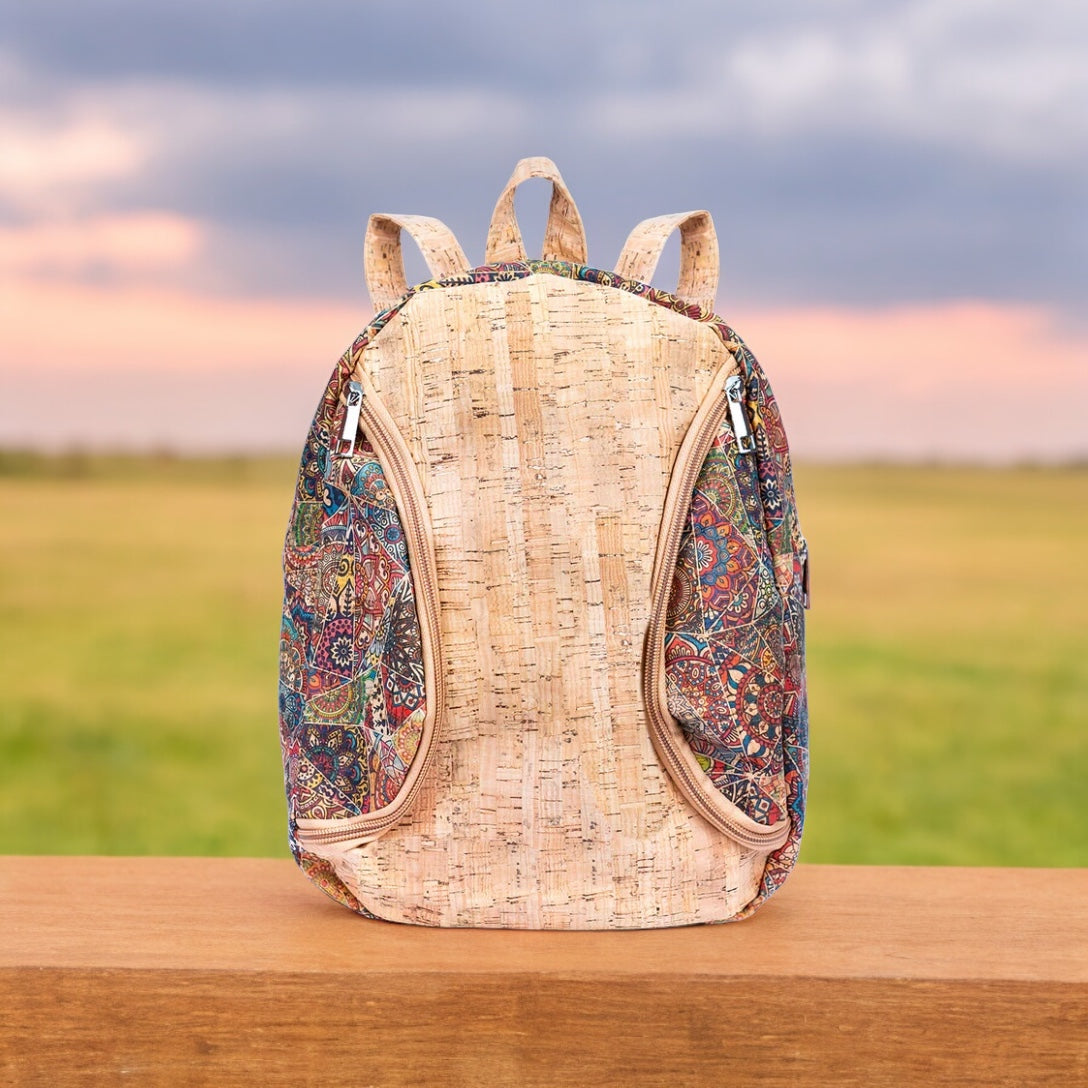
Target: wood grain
[(228, 972)]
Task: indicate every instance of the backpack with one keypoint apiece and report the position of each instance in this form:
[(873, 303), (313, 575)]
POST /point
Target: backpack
[(542, 650)]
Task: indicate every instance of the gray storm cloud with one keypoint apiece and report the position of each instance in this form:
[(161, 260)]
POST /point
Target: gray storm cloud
[(851, 152)]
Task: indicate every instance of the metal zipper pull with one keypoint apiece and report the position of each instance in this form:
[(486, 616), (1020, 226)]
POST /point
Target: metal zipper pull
[(734, 390), (353, 405)]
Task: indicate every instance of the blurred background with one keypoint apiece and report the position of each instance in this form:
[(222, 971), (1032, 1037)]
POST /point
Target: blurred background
[(899, 189)]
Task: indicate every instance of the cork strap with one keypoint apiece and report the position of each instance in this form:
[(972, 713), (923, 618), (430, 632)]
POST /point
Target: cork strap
[(698, 254), (383, 257), (564, 236)]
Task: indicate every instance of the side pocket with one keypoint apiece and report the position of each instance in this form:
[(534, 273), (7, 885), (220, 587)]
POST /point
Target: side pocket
[(724, 653), (359, 686), (789, 551), (710, 686)]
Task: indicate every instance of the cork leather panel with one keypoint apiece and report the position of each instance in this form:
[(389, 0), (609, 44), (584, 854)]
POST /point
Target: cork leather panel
[(544, 416)]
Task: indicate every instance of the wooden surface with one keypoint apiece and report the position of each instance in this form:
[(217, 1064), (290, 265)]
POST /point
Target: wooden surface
[(150, 971)]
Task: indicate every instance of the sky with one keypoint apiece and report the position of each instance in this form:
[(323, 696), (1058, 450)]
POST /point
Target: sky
[(898, 188)]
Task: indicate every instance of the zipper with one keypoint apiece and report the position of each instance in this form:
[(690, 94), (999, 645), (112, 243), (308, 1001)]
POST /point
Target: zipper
[(353, 407), (725, 397), (363, 409), (734, 390)]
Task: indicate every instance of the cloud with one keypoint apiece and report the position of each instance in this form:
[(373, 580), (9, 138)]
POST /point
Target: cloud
[(132, 366), (276, 43), (52, 165), (121, 246), (965, 379), (127, 366), (931, 74), (133, 328), (922, 349), (282, 183)]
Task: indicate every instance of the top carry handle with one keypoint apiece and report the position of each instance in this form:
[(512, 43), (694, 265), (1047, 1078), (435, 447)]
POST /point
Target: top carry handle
[(564, 236)]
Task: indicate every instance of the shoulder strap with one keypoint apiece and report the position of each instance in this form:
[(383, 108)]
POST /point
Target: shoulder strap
[(383, 258), (564, 236), (698, 254)]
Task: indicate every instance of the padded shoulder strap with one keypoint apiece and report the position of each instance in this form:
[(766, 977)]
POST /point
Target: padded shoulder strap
[(698, 254), (383, 258)]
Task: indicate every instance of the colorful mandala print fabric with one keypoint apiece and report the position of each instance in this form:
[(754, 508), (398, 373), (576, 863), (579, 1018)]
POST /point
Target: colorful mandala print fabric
[(352, 695), (734, 644), (790, 556), (724, 641)]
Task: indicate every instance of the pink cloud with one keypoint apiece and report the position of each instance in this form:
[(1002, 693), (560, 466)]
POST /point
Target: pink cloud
[(921, 348), (51, 168), (968, 379), (964, 379), (129, 244), (95, 329)]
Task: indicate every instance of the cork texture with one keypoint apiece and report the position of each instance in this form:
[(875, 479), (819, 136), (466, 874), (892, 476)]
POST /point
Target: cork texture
[(383, 257), (544, 416), (698, 282), (564, 233)]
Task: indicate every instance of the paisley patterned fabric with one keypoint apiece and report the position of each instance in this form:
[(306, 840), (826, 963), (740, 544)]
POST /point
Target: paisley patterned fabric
[(723, 646), (352, 697), (734, 647), (790, 557)]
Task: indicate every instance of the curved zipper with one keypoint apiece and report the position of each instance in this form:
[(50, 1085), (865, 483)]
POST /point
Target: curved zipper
[(668, 739), (364, 410)]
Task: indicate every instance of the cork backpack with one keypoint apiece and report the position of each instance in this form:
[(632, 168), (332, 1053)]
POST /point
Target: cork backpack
[(542, 657)]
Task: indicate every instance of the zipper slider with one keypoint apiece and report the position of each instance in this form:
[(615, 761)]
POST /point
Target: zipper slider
[(353, 406), (734, 390)]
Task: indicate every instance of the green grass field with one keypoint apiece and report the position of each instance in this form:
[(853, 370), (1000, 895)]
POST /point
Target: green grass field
[(948, 660)]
